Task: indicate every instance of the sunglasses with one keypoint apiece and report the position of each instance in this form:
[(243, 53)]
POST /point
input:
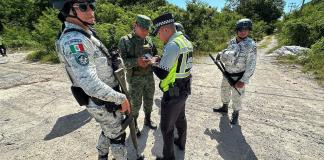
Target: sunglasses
[(83, 7), (243, 29)]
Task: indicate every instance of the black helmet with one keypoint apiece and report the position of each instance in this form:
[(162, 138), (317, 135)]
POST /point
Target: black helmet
[(244, 23), (65, 6), (179, 27), (59, 4)]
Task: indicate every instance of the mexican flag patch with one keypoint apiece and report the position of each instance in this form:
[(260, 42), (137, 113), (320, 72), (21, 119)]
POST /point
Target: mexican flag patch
[(77, 48)]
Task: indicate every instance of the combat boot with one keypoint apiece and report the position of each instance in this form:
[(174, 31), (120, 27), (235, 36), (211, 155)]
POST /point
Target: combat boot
[(138, 132), (148, 122), (178, 143), (223, 109), (162, 158), (235, 116)]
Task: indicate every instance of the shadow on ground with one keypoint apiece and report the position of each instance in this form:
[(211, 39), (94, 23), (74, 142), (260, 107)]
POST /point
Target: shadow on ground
[(69, 123), (141, 142), (158, 145), (156, 150), (231, 142)]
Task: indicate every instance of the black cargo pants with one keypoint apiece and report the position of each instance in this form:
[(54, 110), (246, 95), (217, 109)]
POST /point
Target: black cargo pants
[(173, 115)]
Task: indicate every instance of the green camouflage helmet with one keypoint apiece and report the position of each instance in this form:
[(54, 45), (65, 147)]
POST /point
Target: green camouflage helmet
[(144, 21)]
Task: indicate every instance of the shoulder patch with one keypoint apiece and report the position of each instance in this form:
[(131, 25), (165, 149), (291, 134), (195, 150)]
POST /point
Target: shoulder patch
[(75, 48), (82, 59), (73, 41)]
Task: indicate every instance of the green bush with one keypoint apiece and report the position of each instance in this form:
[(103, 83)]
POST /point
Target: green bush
[(269, 29), (17, 37), (304, 27), (259, 28), (208, 28), (46, 29), (297, 33), (45, 33), (315, 59), (312, 61), (317, 30), (50, 57), (43, 56)]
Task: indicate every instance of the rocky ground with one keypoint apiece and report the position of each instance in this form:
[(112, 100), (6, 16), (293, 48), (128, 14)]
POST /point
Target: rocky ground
[(283, 116)]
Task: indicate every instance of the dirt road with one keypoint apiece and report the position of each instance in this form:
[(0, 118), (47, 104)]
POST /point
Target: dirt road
[(283, 116)]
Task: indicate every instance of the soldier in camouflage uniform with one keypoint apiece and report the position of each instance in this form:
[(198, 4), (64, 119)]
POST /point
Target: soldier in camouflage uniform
[(2, 48), (137, 50), (240, 62), (91, 73)]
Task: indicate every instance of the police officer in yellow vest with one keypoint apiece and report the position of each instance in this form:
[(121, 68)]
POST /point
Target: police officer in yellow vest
[(174, 70)]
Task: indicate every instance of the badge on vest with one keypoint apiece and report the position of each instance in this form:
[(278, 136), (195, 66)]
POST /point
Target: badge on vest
[(82, 59)]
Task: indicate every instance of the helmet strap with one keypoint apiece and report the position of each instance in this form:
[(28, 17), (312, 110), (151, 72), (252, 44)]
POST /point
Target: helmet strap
[(240, 38), (75, 15)]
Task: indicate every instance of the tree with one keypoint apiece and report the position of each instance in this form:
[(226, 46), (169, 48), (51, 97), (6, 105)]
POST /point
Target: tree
[(266, 10), (123, 3)]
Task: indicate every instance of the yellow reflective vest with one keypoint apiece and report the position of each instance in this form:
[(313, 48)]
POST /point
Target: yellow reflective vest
[(182, 67)]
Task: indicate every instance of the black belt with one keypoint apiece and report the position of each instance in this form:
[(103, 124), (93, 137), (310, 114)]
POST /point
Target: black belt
[(180, 87), (236, 74), (110, 106)]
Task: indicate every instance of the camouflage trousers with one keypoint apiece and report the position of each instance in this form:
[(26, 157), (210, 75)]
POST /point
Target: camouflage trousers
[(141, 89), (228, 93), (111, 126)]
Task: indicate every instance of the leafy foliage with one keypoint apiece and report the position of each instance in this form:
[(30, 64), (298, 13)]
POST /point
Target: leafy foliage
[(32, 23), (315, 59), (18, 37), (267, 11), (304, 27), (46, 29)]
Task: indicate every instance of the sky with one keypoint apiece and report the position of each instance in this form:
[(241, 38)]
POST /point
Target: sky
[(220, 3)]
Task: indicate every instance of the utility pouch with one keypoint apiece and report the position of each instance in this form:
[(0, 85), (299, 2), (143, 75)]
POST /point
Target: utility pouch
[(81, 97), (174, 91), (112, 107), (97, 101)]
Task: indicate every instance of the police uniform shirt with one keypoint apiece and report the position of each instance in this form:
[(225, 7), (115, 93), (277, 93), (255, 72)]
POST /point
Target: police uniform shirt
[(171, 53)]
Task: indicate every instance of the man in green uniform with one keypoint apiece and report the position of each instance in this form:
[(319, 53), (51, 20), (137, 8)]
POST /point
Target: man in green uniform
[(137, 50)]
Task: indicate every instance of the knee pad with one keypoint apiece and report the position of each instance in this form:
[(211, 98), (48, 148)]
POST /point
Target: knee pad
[(119, 140)]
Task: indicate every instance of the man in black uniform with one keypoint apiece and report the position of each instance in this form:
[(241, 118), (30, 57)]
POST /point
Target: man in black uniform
[(174, 70)]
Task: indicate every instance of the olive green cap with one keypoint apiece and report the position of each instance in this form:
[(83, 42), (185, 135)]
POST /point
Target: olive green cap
[(144, 21)]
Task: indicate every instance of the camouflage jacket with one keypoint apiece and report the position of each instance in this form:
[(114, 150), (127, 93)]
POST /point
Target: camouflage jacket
[(87, 66), (240, 57), (133, 47)]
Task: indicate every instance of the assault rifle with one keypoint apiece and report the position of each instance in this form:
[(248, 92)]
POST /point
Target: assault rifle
[(227, 75), (120, 76)]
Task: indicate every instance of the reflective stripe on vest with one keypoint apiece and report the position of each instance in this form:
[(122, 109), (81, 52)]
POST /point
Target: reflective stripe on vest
[(182, 67)]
